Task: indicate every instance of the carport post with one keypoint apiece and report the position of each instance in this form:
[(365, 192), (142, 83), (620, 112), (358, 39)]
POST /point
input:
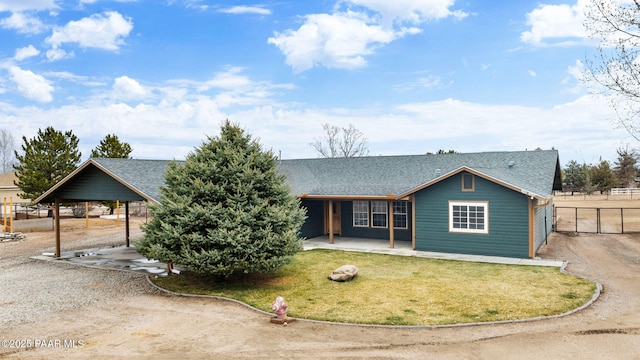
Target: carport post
[(56, 214), (126, 216)]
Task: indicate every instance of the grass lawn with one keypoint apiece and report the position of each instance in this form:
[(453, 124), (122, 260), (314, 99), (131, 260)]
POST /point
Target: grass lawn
[(398, 290)]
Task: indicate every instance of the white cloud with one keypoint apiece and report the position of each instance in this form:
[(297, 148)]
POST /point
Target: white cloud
[(413, 11), (556, 24), (30, 85), (23, 23), (259, 10), (26, 52), (354, 30), (532, 73), (230, 79), (582, 129), (126, 88), (428, 82), (102, 31), (336, 41), (22, 5), (58, 54)]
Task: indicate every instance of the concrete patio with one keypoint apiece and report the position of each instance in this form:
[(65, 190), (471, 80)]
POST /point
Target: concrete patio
[(128, 259), (403, 248)]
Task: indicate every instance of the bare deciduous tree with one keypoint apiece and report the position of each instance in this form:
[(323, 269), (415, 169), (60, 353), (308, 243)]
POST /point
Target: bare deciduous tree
[(615, 68), (7, 149), (341, 142)]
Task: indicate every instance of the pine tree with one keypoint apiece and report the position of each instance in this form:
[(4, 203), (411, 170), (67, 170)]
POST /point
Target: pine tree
[(225, 211), (575, 178), (46, 159), (625, 167), (111, 147), (603, 177)]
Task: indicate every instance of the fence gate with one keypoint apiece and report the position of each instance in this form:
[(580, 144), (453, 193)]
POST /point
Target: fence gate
[(596, 220)]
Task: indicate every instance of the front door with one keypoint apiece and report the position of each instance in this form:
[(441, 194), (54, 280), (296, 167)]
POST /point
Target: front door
[(335, 217), (332, 218)]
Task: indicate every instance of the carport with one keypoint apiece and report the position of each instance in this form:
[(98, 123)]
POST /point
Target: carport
[(102, 179)]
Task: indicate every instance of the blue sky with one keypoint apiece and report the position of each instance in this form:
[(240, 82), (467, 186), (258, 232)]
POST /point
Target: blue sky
[(414, 76)]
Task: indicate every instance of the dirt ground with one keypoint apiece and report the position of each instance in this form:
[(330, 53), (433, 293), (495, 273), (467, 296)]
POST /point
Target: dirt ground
[(158, 326)]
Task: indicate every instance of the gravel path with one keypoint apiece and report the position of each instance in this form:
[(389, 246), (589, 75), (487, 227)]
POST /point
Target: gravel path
[(32, 290)]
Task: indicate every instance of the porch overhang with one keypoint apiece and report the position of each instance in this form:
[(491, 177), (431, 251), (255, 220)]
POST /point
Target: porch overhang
[(329, 201), (348, 197)]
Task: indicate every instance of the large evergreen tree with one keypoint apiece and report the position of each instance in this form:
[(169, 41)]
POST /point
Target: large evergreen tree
[(46, 159), (112, 147), (575, 178), (603, 177), (625, 167), (225, 211)]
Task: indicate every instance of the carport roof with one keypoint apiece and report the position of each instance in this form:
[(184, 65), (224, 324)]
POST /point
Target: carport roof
[(104, 179)]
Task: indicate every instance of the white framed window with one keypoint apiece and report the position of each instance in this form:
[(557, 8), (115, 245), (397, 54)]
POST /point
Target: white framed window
[(361, 214), (469, 217), (400, 214), (379, 211)]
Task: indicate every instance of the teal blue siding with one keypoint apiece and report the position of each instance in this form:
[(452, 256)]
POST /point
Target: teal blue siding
[(349, 230), (543, 224), (314, 224), (91, 184), (508, 221)]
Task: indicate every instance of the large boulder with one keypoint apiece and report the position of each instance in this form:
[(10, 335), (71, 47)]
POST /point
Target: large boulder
[(344, 273)]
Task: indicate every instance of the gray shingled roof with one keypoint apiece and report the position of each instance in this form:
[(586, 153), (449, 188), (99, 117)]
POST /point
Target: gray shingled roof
[(146, 176), (535, 173), (532, 172)]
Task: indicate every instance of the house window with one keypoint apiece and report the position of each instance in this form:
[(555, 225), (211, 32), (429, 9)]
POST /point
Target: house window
[(400, 214), (471, 217), (468, 182), (361, 214), (379, 214)]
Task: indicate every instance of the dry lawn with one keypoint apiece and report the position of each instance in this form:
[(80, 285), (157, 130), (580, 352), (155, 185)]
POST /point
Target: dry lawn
[(397, 290)]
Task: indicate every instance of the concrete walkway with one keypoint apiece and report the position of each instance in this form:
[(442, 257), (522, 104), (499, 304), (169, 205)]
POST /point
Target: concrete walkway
[(403, 248), (127, 258)]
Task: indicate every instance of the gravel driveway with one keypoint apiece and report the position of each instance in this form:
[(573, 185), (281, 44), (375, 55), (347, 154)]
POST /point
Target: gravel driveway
[(110, 314)]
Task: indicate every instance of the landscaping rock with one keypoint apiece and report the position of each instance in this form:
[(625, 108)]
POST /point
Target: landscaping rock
[(344, 273)]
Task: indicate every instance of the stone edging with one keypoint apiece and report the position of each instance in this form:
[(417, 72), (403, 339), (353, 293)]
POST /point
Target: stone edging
[(595, 297)]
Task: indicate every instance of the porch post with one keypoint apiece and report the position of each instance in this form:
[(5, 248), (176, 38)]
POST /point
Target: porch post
[(390, 215), (126, 215), (56, 214), (413, 222), (330, 221)]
